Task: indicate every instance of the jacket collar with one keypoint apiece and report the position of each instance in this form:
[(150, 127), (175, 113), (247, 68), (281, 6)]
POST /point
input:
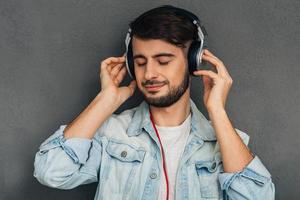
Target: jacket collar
[(199, 124)]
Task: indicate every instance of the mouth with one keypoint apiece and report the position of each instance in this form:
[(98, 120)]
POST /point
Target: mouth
[(154, 87)]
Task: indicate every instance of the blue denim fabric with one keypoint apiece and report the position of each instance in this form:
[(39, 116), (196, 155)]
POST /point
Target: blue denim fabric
[(124, 158)]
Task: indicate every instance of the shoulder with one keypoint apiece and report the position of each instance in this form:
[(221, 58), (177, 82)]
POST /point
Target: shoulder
[(116, 122), (123, 118)]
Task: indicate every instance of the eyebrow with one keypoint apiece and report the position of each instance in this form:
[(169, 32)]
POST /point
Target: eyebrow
[(154, 56)]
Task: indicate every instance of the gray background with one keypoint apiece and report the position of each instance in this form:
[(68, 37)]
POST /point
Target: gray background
[(49, 57)]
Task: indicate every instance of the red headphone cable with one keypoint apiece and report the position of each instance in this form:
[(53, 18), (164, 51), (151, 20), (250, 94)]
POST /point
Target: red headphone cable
[(163, 155)]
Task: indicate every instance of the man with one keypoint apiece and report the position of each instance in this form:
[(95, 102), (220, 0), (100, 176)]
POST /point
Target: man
[(164, 148)]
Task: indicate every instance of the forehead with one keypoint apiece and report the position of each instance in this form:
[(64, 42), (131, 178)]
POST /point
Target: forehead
[(152, 46)]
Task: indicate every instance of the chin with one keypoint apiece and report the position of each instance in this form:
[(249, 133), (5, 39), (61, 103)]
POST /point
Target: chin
[(155, 94)]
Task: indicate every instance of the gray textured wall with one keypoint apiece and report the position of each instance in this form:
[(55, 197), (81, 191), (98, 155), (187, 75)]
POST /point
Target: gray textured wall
[(49, 56)]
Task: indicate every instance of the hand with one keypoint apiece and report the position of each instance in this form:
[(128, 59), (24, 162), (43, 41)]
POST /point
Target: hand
[(216, 85), (112, 73)]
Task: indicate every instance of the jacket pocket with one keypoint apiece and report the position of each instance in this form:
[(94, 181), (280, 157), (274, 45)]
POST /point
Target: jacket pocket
[(207, 172), (123, 167)]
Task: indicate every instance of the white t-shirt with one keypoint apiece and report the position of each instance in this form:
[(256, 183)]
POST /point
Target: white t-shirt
[(173, 140)]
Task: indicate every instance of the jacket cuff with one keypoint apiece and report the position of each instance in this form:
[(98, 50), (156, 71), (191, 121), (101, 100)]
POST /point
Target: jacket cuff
[(76, 148), (254, 171), (80, 147)]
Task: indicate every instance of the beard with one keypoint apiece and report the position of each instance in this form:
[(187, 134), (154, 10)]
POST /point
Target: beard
[(173, 95)]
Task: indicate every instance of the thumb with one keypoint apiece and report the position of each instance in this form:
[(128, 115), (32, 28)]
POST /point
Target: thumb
[(207, 82), (127, 91), (132, 86)]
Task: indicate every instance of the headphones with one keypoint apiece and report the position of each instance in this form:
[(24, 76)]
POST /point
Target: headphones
[(195, 50)]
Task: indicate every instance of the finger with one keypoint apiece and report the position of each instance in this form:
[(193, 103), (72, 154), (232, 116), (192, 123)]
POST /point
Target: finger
[(111, 61), (216, 63), (120, 76), (207, 52), (115, 70), (113, 64), (221, 66)]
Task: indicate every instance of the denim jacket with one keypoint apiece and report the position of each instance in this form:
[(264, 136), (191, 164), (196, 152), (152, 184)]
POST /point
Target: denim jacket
[(124, 157)]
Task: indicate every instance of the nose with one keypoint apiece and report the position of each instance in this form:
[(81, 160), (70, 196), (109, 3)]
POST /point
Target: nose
[(150, 71)]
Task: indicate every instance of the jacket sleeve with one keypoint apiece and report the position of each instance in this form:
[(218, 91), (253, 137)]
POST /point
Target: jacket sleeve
[(253, 182), (67, 163)]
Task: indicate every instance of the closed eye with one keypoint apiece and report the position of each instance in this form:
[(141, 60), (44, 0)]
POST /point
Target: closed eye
[(141, 64), (163, 63)]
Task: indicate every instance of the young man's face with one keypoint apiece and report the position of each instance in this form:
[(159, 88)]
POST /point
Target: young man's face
[(161, 71)]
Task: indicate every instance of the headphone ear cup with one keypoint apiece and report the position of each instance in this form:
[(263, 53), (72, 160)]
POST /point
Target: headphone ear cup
[(129, 61), (193, 52)]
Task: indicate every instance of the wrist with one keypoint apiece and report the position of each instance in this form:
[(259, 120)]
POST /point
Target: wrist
[(107, 101), (216, 113), (215, 110)]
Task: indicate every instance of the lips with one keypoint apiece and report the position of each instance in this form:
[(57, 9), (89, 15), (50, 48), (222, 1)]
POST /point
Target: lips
[(154, 87)]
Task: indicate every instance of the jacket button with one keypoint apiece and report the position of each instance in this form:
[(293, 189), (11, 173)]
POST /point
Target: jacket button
[(124, 154), (153, 175)]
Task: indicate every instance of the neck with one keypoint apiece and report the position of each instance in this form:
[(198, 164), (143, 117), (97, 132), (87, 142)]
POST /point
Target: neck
[(173, 115)]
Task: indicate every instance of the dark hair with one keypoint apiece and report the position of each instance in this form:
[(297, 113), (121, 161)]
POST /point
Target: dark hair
[(165, 24)]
